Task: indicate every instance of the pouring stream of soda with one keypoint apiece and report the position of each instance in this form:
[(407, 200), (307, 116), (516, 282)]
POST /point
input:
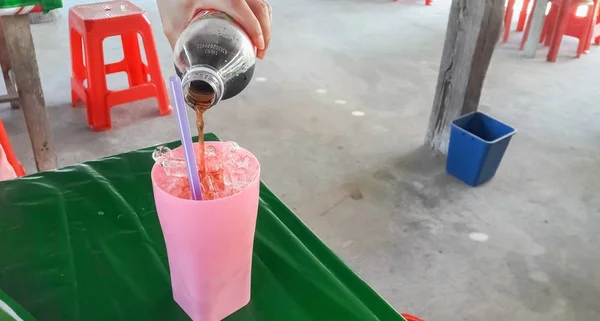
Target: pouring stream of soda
[(200, 97)]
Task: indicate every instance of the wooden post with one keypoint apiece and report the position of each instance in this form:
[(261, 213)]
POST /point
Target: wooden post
[(473, 31), (25, 68), (7, 73)]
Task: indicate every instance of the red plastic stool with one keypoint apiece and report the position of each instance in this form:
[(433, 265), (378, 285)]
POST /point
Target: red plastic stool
[(10, 154), (409, 317), (571, 25), (427, 2), (508, 14), (92, 23), (562, 20)]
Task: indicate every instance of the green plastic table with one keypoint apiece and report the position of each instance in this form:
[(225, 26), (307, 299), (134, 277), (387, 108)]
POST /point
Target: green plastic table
[(17, 7), (84, 243)]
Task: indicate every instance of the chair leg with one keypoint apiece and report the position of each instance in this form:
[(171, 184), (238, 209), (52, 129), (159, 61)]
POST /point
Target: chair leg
[(562, 21), (155, 74), (97, 109), (523, 15)]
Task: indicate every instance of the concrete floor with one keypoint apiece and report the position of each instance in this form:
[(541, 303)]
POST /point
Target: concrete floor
[(365, 185)]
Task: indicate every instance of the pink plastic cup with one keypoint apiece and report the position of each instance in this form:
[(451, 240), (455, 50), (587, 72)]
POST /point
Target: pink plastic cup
[(209, 247)]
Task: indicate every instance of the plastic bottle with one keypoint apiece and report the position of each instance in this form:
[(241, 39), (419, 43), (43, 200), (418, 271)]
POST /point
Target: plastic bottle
[(215, 59)]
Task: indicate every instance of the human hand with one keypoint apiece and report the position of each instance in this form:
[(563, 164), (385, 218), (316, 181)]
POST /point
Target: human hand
[(253, 15)]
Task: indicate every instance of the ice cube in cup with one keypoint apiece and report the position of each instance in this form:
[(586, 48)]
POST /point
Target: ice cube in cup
[(173, 163), (229, 170), (161, 151), (175, 167)]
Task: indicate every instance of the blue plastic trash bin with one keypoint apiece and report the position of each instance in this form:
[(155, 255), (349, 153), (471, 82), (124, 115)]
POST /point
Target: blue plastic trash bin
[(477, 144)]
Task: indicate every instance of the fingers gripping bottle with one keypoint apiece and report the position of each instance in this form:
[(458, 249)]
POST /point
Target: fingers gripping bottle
[(215, 59)]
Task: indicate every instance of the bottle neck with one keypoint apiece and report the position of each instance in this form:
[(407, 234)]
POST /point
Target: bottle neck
[(202, 86)]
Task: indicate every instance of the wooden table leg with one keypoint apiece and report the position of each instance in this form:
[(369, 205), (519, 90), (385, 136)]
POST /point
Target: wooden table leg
[(6, 71), (25, 68)]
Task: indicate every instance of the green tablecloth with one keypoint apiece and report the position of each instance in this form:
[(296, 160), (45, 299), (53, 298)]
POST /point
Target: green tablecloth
[(47, 5), (84, 243), (11, 310)]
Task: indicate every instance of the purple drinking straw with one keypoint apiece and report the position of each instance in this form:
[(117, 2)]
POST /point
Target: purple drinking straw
[(186, 137)]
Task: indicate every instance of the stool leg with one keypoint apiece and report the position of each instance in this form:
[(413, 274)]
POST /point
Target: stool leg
[(508, 19), (527, 27), (549, 22), (580, 47), (523, 15), (592, 25), (77, 67), (550, 25), (133, 59), (585, 37), (155, 73), (562, 21), (97, 109), (10, 154)]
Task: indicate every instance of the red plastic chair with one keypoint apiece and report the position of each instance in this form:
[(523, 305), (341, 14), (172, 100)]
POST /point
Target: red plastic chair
[(92, 23), (10, 154)]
